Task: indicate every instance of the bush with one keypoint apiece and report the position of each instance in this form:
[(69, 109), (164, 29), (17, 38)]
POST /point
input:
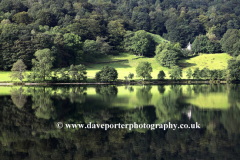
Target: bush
[(107, 74)]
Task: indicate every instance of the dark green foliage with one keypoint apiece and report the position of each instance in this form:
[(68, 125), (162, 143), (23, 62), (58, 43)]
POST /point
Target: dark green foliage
[(140, 43), (89, 28), (161, 89), (28, 26), (234, 69), (90, 49), (73, 46), (186, 53), (161, 75), (215, 74), (46, 18), (202, 44), (77, 72), (236, 49), (107, 74), (167, 58), (108, 93), (163, 46), (142, 20), (229, 42), (116, 32), (22, 18), (42, 64)]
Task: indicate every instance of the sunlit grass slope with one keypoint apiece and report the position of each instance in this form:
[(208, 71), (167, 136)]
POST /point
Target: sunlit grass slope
[(125, 67), (211, 61), (158, 38)]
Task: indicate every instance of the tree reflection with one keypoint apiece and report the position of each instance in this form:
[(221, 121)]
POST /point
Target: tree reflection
[(18, 98), (23, 135), (161, 89), (231, 120), (77, 94), (233, 95), (42, 102), (144, 95), (130, 89), (168, 107), (108, 93)]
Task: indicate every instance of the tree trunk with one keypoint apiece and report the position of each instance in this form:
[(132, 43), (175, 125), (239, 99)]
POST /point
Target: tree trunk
[(44, 76), (20, 75)]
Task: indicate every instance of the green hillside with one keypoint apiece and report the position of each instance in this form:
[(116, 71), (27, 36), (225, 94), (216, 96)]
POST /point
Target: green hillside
[(211, 61), (126, 62), (205, 60)]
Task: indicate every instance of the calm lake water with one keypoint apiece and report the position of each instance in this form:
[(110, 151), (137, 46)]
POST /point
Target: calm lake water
[(29, 127)]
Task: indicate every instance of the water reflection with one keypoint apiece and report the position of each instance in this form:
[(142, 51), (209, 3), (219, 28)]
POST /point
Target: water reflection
[(144, 95), (28, 117), (18, 98)]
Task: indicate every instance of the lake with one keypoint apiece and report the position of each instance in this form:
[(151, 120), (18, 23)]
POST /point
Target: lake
[(37, 122)]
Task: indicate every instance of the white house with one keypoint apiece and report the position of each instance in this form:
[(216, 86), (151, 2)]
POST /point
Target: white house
[(189, 46)]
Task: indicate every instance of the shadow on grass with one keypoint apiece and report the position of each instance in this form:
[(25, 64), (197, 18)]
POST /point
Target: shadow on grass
[(186, 64), (115, 65)]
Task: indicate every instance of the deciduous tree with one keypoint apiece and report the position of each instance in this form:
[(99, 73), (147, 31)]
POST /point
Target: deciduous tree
[(141, 44), (43, 63), (196, 73), (18, 69), (144, 70), (176, 73), (189, 73), (167, 58), (161, 75), (78, 72)]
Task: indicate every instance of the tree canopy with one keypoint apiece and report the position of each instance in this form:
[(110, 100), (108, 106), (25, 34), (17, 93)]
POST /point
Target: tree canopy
[(18, 69), (144, 70), (107, 74), (43, 63), (167, 58)]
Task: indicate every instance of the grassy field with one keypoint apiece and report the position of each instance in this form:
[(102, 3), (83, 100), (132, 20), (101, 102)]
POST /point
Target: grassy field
[(125, 67), (5, 76), (211, 61)]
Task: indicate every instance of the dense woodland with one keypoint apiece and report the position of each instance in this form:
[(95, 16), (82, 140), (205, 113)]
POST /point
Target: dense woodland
[(77, 31)]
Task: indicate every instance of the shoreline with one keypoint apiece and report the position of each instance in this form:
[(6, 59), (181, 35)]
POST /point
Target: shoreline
[(126, 83)]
